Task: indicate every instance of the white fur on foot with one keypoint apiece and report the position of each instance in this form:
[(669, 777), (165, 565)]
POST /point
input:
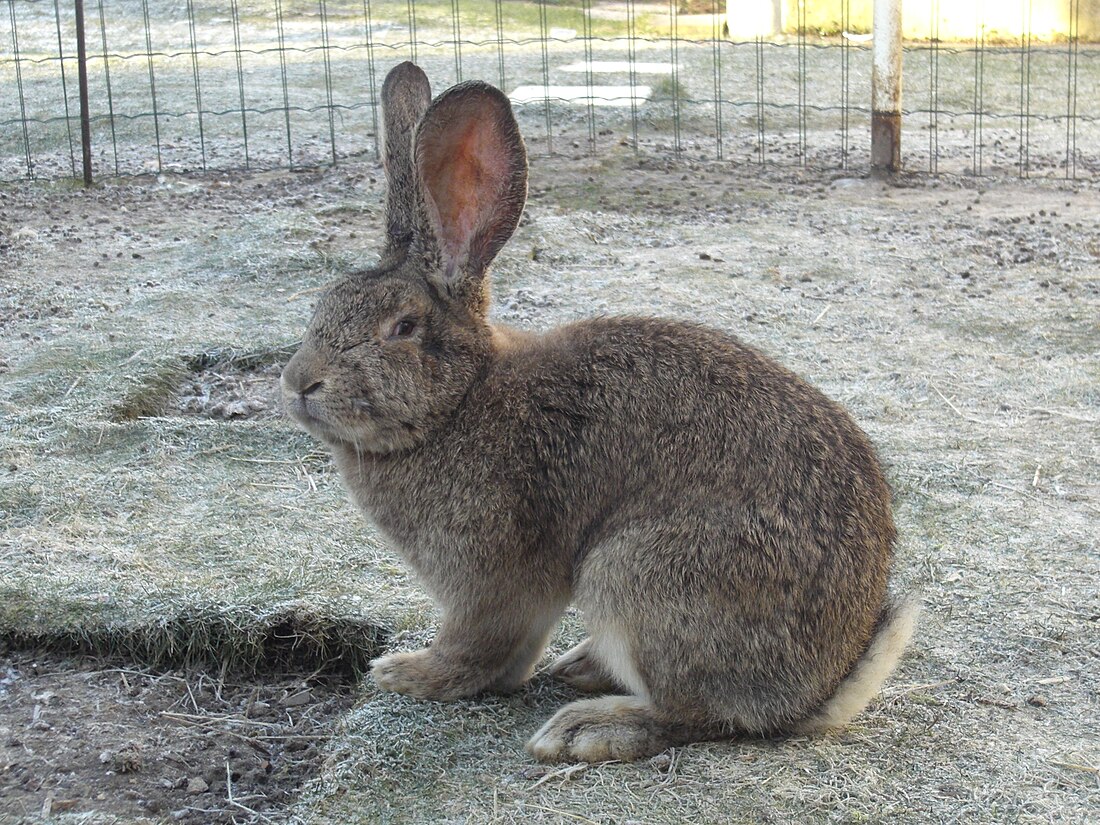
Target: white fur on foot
[(580, 668)]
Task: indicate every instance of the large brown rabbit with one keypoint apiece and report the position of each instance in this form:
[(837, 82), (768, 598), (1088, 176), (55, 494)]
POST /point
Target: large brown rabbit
[(724, 528)]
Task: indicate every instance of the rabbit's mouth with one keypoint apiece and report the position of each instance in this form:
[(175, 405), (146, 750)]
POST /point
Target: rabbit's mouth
[(364, 430), (310, 415), (304, 412), (305, 401)]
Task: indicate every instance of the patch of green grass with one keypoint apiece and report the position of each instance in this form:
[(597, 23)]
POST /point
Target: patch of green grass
[(478, 18), (151, 390), (148, 393), (290, 636), (667, 88)]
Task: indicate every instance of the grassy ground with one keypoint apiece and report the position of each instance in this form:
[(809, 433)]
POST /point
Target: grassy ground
[(143, 513)]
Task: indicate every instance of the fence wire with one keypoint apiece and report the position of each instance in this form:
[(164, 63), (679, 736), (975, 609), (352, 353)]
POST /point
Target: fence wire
[(295, 83)]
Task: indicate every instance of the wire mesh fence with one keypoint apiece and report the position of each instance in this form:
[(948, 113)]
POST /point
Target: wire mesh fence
[(250, 84)]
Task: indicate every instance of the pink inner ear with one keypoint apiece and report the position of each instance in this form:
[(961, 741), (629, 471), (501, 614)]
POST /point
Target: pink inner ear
[(464, 170)]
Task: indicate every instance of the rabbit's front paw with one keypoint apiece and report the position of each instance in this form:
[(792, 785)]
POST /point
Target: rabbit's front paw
[(419, 674)]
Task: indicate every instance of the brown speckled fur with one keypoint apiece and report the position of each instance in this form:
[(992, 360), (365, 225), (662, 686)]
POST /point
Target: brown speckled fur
[(724, 528)]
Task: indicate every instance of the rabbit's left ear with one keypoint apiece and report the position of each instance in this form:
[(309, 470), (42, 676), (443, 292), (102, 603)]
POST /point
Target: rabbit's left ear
[(406, 94), (472, 168)]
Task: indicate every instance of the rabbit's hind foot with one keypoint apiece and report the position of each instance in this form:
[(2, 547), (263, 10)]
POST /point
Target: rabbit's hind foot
[(622, 728), (579, 668)]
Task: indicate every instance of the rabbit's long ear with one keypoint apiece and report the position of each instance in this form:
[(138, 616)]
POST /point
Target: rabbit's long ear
[(406, 94), (473, 177)]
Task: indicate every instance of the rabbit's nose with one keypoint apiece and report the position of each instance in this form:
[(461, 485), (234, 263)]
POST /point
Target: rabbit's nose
[(297, 379)]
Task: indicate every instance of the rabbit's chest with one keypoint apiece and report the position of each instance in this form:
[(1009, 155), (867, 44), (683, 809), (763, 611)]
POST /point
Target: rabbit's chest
[(432, 511)]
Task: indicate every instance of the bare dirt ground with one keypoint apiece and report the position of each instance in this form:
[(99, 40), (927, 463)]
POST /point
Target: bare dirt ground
[(79, 735), (155, 505)]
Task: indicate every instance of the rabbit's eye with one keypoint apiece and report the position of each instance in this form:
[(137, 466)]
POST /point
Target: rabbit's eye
[(403, 328)]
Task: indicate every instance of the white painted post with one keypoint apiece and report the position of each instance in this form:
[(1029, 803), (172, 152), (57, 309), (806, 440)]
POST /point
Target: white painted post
[(747, 19), (886, 87)]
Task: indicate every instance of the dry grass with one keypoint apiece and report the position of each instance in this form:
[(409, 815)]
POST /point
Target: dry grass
[(178, 533)]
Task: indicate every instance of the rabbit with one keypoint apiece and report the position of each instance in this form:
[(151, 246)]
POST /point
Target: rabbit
[(724, 529)]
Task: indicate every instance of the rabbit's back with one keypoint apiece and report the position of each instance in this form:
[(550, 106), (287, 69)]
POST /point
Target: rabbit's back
[(625, 415)]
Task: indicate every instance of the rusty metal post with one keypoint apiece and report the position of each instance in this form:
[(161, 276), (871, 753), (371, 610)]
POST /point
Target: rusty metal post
[(886, 87), (82, 76)]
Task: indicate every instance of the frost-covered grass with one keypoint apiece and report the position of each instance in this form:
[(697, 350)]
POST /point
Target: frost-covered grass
[(958, 324)]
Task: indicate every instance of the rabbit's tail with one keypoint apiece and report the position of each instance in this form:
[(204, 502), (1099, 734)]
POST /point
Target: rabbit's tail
[(892, 634)]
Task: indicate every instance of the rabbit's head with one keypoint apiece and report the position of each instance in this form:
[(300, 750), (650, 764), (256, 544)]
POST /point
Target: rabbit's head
[(391, 351)]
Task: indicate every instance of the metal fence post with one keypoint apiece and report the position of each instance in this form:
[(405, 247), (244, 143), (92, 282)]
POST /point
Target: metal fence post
[(886, 87), (82, 75)]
